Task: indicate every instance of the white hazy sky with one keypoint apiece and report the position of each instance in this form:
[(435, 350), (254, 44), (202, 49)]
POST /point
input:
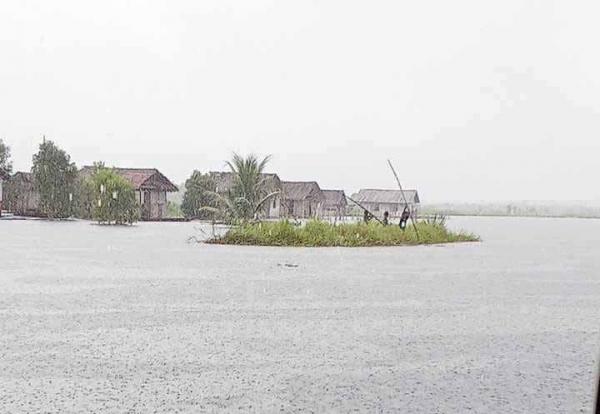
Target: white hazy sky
[(473, 100)]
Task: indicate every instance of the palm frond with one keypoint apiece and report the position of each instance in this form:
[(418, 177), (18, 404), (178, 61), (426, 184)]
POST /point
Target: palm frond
[(263, 163), (265, 199)]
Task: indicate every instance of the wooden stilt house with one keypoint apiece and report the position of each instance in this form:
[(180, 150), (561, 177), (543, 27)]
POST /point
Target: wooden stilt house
[(335, 203), (302, 199)]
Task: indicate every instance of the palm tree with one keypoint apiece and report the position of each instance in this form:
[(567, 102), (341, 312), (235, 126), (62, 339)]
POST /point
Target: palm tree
[(249, 191)]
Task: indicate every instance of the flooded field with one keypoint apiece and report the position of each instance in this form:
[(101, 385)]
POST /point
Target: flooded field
[(103, 319)]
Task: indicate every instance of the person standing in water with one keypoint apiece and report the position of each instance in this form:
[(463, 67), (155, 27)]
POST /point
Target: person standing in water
[(404, 218), (386, 219)]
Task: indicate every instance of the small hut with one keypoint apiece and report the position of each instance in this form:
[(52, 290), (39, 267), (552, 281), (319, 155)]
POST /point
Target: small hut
[(3, 178), (335, 203), (378, 201), (21, 196), (151, 188), (272, 210), (302, 199)]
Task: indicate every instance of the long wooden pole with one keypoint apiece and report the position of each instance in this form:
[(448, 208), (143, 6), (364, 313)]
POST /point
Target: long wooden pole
[(364, 208), (412, 219)]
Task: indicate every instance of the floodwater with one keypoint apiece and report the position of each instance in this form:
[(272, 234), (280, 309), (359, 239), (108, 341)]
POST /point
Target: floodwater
[(138, 319)]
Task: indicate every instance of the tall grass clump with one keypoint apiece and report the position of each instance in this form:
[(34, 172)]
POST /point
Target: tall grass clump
[(322, 234)]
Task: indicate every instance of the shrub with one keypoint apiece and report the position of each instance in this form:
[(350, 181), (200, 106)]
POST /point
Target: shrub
[(114, 198)]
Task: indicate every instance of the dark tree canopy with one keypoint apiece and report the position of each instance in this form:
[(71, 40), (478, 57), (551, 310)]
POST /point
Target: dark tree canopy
[(5, 163), (54, 176), (198, 197)]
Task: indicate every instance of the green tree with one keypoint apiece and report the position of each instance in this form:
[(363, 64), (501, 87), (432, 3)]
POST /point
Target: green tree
[(250, 189), (199, 196), (54, 176), (5, 164), (115, 201), (86, 197)]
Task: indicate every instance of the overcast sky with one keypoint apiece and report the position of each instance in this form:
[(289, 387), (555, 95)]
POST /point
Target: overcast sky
[(473, 100)]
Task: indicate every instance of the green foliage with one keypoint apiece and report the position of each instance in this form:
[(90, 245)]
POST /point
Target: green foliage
[(114, 198), (85, 195), (322, 234), (174, 210), (54, 176), (249, 191), (199, 194), (5, 164), (86, 198)]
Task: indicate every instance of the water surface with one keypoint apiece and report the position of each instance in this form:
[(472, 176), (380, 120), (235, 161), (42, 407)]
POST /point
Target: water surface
[(137, 319)]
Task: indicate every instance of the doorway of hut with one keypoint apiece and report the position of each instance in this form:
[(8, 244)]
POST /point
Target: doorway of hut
[(146, 207)]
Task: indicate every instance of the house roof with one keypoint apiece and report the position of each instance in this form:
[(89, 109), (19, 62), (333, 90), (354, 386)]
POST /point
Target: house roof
[(224, 180), (25, 176), (140, 178), (386, 196), (300, 190), (334, 197)]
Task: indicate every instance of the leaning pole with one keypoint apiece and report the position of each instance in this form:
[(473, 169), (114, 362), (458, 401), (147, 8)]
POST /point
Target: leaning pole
[(412, 219)]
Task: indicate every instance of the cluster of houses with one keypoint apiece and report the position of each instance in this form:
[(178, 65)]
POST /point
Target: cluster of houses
[(306, 199), (293, 199), (150, 185)]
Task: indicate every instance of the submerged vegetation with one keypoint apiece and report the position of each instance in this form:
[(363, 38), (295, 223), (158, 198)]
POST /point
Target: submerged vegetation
[(322, 234)]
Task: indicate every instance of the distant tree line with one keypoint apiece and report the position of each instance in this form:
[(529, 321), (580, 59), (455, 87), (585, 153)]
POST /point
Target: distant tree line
[(516, 208)]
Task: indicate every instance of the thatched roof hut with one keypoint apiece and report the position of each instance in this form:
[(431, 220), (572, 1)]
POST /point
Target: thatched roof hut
[(335, 203), (140, 178), (392, 201), (387, 196), (302, 199), (23, 176), (224, 181)]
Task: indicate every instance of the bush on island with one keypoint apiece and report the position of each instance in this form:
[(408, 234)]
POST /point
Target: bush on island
[(114, 200), (317, 233)]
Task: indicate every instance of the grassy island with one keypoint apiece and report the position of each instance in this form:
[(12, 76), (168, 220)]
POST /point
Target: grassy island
[(323, 234)]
